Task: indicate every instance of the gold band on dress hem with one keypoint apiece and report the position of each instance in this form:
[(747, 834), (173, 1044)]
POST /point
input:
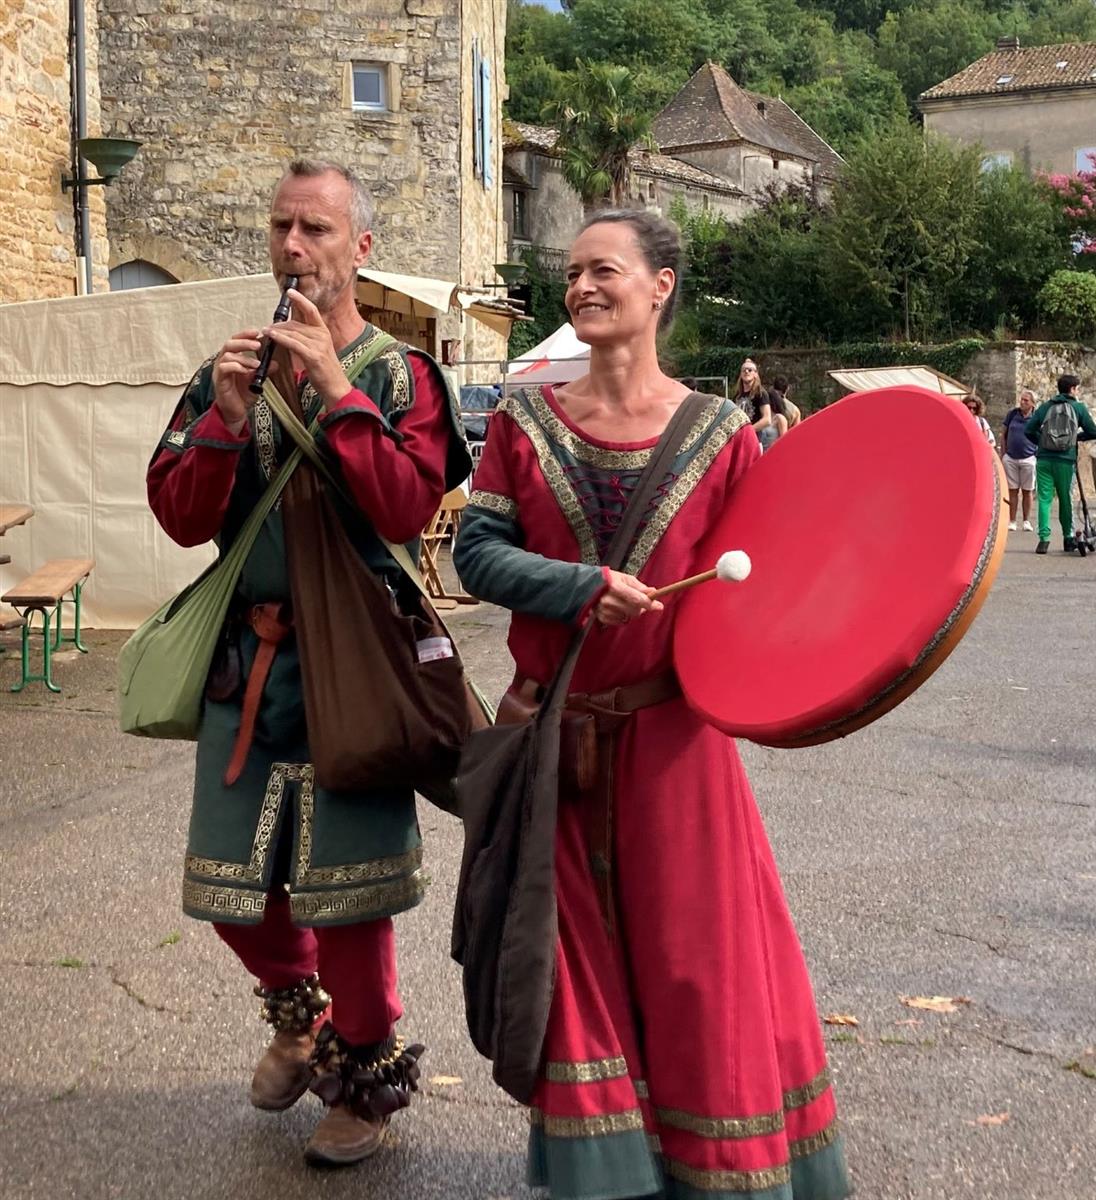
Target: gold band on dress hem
[(211, 900), (599, 1126), (750, 1181), (800, 1096), (721, 1127), (804, 1147), (585, 1072), (360, 904)]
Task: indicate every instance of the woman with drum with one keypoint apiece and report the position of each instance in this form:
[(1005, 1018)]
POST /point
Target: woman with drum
[(683, 1055)]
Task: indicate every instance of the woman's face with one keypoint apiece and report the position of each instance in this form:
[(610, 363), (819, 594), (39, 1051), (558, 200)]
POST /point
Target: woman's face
[(611, 291)]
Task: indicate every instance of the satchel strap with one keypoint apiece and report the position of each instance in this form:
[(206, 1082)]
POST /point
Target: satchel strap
[(668, 448)]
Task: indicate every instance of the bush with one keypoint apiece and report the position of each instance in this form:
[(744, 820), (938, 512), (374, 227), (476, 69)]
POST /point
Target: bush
[(1068, 301)]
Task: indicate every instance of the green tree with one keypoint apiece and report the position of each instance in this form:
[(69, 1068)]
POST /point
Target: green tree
[(929, 42), (901, 233), (1019, 242), (599, 124), (1068, 301)]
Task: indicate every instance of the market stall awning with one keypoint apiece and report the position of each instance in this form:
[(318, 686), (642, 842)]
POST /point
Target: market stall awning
[(417, 296), (865, 379)]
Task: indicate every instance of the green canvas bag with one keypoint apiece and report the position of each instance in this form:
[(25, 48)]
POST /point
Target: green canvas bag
[(162, 668)]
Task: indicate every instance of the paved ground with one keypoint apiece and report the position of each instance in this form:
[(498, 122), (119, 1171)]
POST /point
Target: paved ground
[(950, 849)]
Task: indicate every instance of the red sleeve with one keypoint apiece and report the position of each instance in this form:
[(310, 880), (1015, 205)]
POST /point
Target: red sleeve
[(398, 481), (188, 489), (740, 453)]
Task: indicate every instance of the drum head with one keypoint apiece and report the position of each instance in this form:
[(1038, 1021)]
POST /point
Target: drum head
[(875, 529)]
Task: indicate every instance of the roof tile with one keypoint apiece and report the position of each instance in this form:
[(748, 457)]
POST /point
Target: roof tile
[(1021, 69)]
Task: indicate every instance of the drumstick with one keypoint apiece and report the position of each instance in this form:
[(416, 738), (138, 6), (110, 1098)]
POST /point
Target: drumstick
[(732, 567)]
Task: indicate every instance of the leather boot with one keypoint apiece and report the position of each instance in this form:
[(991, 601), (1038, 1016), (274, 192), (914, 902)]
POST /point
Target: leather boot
[(284, 1071), (342, 1138)]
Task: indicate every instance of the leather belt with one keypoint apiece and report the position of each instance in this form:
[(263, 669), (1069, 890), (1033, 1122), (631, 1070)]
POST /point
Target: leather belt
[(610, 710), (268, 625)]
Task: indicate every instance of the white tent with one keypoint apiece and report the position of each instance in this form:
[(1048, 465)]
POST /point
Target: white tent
[(87, 385), (560, 358)]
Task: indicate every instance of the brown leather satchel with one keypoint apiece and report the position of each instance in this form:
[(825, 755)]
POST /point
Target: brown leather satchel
[(387, 704), (578, 740)]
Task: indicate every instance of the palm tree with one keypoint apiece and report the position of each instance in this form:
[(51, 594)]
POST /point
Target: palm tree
[(599, 125)]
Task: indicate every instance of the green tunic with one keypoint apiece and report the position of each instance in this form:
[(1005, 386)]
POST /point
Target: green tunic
[(343, 856)]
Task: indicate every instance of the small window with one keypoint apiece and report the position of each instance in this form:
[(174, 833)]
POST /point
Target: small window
[(1061, 64), (521, 210), (1003, 79), (1085, 159), (370, 88), (996, 161)]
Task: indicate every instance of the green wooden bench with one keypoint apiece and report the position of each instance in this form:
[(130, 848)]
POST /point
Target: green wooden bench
[(45, 593)]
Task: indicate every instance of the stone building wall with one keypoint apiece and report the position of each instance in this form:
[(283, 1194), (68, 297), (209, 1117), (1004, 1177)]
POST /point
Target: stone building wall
[(223, 93), (37, 252), (482, 229)]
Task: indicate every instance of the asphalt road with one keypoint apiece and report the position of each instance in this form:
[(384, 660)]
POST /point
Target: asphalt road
[(948, 850)]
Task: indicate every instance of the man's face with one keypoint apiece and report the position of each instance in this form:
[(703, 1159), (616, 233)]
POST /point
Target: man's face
[(1027, 403), (311, 236)]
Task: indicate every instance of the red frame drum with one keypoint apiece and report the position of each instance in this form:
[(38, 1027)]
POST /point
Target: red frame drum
[(875, 530)]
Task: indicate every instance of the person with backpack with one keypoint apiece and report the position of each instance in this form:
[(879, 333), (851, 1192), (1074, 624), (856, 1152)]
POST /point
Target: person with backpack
[(1055, 427)]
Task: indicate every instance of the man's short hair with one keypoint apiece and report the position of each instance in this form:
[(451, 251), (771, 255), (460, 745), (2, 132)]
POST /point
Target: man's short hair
[(361, 202), (1065, 382)]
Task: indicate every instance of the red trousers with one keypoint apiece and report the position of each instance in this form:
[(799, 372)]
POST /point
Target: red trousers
[(356, 965)]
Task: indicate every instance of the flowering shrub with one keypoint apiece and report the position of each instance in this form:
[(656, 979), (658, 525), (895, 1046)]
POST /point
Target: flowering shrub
[(1068, 300), (1077, 196)]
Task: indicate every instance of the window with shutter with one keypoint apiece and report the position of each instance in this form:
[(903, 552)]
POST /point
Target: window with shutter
[(477, 114), (486, 112)]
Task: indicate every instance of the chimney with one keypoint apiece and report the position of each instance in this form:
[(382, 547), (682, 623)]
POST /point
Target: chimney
[(761, 107), (1010, 42)]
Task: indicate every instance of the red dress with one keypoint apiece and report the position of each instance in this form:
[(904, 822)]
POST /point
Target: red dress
[(683, 1054)]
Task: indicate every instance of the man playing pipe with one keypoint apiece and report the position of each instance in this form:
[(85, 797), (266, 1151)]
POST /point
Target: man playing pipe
[(301, 882)]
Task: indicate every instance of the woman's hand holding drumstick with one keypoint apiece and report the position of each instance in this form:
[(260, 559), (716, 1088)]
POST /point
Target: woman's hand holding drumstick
[(732, 567), (627, 597)]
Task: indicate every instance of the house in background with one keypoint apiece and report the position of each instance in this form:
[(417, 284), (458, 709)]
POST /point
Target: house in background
[(721, 149), (1033, 106)]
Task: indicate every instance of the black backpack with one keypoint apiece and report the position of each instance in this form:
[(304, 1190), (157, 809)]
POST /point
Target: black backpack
[(1060, 427)]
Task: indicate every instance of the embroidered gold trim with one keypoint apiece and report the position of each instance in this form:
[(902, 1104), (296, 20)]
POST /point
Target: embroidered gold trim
[(599, 1126), (557, 481), (721, 1127), (263, 422), (215, 901), (807, 1146), (640, 1086), (358, 904), (310, 400), (684, 486), (800, 1096), (727, 1181), (598, 456), (254, 870), (401, 382), (494, 502), (586, 1072), (306, 875)]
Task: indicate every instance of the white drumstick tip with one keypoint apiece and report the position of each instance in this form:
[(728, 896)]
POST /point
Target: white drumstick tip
[(733, 566)]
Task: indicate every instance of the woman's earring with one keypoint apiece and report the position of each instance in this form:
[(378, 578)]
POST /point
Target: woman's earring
[(658, 304)]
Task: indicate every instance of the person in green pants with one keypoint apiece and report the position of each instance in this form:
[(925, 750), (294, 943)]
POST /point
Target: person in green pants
[(1055, 427)]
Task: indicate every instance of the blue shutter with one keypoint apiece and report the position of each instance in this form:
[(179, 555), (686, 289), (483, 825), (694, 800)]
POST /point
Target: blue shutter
[(488, 111)]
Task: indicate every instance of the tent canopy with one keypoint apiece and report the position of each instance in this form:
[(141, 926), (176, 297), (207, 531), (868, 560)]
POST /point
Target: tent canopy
[(864, 379), (416, 296), (560, 358)]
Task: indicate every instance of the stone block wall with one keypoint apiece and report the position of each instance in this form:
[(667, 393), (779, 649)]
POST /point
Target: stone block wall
[(223, 93), (37, 252), (482, 227)]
